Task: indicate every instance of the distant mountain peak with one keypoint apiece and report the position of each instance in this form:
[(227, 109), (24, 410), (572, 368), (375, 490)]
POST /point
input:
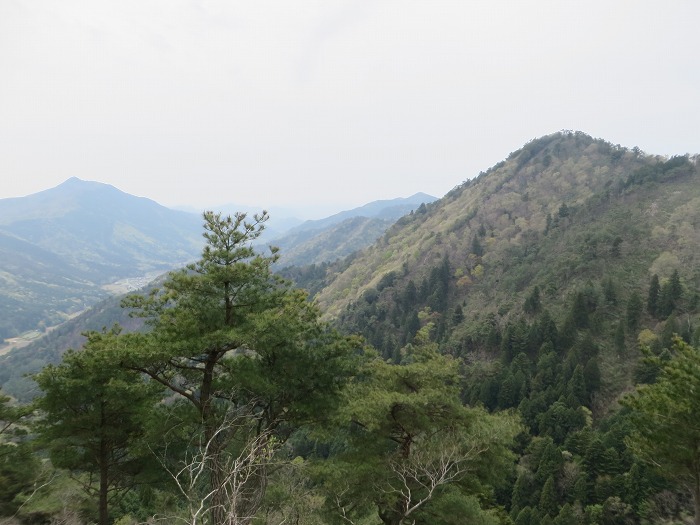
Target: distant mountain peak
[(76, 184)]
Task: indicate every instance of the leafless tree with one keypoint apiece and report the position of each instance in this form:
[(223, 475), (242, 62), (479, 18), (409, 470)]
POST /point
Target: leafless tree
[(241, 456), (430, 465)]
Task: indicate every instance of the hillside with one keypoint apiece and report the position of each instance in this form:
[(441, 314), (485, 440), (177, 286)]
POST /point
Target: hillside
[(544, 277), (337, 236), (381, 209), (59, 247), (565, 216), (316, 242)]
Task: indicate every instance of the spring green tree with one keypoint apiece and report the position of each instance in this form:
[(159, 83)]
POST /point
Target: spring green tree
[(666, 428)]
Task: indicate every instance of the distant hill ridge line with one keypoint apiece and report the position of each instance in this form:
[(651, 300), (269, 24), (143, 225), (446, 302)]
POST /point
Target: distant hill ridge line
[(59, 247)]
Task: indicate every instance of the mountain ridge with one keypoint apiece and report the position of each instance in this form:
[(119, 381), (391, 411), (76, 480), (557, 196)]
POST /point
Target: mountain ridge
[(62, 245)]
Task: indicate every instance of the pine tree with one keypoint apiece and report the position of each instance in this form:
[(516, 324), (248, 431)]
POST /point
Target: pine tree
[(522, 492), (620, 338), (230, 339), (476, 248), (567, 516), (95, 413), (527, 516)]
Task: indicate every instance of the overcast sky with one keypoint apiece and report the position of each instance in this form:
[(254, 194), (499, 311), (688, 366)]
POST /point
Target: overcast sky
[(326, 105)]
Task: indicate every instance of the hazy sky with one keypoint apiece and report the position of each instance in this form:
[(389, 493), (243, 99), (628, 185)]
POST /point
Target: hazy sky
[(326, 105)]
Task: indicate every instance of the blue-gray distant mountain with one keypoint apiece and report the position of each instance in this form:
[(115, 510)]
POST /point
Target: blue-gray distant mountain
[(280, 221), (339, 235), (392, 209), (59, 247)]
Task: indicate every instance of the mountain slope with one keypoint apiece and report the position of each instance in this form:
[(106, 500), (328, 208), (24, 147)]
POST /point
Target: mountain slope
[(500, 214), (330, 243), (569, 228), (543, 278), (337, 236), (381, 209), (59, 246)]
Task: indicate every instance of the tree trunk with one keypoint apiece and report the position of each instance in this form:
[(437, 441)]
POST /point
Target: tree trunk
[(212, 442), (218, 498), (696, 502), (104, 481)]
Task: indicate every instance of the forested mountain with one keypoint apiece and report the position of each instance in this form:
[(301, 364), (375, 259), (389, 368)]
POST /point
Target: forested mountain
[(60, 246), (337, 236), (381, 209), (566, 215), (533, 358), (544, 276), (330, 243)]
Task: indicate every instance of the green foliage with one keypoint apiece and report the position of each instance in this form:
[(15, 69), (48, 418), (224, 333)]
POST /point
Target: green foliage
[(654, 296), (94, 417), (664, 418), (19, 471), (410, 434), (548, 499), (246, 357)]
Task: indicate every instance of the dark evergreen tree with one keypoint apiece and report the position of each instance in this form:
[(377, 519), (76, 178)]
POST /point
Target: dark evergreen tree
[(610, 292), (567, 335), (409, 297), (457, 315), (592, 376), (476, 248), (634, 311), (550, 462), (549, 501), (619, 338), (654, 296), (676, 286), (579, 311), (245, 355), (95, 416), (509, 392), (576, 387), (567, 516), (533, 302), (523, 492), (527, 516)]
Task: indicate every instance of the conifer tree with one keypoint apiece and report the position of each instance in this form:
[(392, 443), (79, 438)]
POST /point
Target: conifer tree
[(579, 311), (633, 312), (664, 415), (414, 445), (527, 516), (245, 354), (94, 416), (567, 516), (577, 386), (549, 501), (654, 296)]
